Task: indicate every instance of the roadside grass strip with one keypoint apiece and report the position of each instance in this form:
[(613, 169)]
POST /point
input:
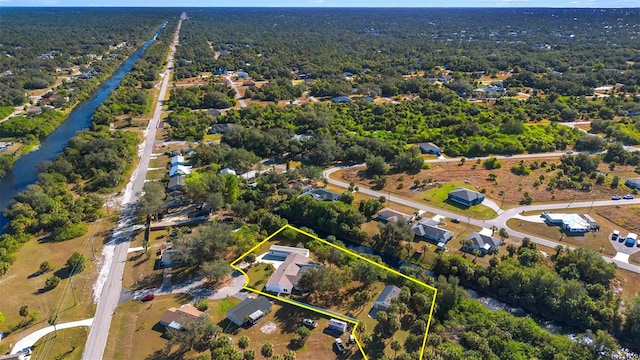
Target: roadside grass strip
[(330, 313)]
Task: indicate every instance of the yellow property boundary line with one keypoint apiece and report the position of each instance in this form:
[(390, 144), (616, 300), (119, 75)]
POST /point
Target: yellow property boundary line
[(317, 310)]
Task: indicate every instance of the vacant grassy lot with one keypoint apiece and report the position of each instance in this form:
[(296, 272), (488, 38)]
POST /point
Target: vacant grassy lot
[(67, 344), (474, 175), (24, 283)]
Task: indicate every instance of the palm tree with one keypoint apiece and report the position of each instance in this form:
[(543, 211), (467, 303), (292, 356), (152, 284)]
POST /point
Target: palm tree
[(395, 346)]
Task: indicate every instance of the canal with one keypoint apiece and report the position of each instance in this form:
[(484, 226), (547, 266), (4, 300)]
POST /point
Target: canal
[(25, 170)]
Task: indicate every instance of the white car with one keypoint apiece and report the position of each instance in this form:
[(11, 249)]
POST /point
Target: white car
[(310, 323)]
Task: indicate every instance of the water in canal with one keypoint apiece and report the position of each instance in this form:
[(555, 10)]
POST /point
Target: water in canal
[(25, 170)]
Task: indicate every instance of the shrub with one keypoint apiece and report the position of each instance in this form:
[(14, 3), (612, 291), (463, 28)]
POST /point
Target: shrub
[(71, 232), (492, 163), (202, 304), (52, 282)]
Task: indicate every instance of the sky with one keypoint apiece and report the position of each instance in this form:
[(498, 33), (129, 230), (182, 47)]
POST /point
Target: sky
[(330, 3)]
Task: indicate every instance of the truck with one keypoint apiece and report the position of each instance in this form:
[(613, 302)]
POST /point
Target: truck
[(340, 345)]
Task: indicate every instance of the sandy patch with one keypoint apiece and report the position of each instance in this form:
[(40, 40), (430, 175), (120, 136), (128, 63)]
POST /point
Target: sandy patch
[(269, 327)]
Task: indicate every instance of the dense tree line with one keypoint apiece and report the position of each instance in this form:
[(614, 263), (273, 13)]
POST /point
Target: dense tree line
[(212, 96), (63, 39), (362, 128), (576, 291), (94, 162), (392, 43)]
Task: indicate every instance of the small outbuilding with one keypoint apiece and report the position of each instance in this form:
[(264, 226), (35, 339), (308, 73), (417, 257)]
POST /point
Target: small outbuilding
[(633, 183), (284, 251), (336, 325), (389, 293)]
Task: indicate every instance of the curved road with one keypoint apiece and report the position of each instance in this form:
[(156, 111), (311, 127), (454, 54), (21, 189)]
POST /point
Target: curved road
[(110, 293), (501, 220)]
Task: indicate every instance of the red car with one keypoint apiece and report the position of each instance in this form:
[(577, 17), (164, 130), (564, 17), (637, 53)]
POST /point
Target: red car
[(148, 297)]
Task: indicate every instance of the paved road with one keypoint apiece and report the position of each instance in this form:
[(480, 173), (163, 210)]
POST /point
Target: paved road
[(520, 156), (29, 340), (110, 294), (240, 99), (501, 220)]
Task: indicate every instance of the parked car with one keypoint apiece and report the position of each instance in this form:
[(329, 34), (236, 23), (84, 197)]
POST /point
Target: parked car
[(148, 297), (615, 197), (340, 345), (455, 220), (310, 323), (628, 197), (352, 340), (615, 235)]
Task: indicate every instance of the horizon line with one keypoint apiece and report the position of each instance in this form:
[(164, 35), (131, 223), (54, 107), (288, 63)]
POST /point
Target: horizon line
[(316, 7)]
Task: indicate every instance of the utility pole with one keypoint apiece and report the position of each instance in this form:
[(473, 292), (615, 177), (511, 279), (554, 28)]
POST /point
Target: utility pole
[(73, 293)]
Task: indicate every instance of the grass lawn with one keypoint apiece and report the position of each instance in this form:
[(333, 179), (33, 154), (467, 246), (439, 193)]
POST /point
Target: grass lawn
[(212, 138), (438, 197), (135, 332), (6, 111), (157, 174), (258, 275), (23, 282), (67, 344)]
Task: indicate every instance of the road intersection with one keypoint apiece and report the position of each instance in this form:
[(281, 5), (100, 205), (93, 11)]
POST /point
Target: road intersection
[(501, 220)]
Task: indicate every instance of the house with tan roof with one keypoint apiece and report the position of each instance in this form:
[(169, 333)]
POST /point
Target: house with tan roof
[(176, 317), (287, 275)]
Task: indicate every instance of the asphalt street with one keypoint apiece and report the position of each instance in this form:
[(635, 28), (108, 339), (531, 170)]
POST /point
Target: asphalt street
[(110, 295), (501, 220)]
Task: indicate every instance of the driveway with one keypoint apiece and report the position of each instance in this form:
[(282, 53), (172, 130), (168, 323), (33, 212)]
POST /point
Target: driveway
[(29, 340), (195, 288)]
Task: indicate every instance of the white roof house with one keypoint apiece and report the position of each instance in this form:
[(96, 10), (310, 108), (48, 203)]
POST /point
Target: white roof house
[(177, 160), (228, 171), (573, 223), (179, 170)]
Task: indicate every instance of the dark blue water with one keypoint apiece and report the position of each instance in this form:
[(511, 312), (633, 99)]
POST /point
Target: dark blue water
[(25, 171)]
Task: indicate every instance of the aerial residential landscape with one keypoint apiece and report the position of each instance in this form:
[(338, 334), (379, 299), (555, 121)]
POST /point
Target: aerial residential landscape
[(319, 183)]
